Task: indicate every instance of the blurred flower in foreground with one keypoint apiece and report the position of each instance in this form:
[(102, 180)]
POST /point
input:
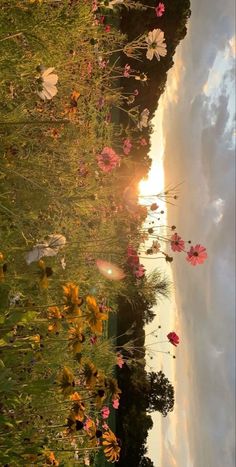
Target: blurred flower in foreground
[(196, 255), (108, 159), (110, 270), (156, 44), (48, 83), (143, 122), (111, 446), (160, 9), (173, 338), (47, 248)]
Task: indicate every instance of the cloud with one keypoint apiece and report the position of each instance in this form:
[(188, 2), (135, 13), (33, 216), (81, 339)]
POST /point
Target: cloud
[(199, 150)]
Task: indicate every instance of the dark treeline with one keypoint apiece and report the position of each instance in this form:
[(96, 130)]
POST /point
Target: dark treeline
[(142, 390)]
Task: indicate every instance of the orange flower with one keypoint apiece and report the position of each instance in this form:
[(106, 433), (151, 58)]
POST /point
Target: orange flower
[(94, 316)]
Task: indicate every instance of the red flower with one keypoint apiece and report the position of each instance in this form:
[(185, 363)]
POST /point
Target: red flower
[(196, 255), (176, 243), (107, 28), (127, 145), (173, 338)]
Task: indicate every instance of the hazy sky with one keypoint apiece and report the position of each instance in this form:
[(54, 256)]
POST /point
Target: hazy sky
[(198, 111)]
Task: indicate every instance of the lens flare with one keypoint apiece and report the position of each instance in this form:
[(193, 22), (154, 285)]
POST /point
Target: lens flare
[(110, 270)]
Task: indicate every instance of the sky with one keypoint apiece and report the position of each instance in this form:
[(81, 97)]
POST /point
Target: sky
[(197, 113)]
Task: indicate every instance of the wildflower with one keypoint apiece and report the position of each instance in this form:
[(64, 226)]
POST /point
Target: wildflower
[(66, 380), (155, 246), (48, 82), (173, 338), (140, 271), (105, 426), (111, 446), (127, 71), (105, 412), (143, 142), (90, 373), (76, 338), (108, 159), (72, 301), (156, 45), (108, 28), (116, 404), (93, 340), (50, 459), (196, 255), (176, 243), (45, 273), (94, 317), (119, 360), (154, 206), (143, 122), (127, 145), (47, 248), (112, 388), (160, 9), (55, 315)]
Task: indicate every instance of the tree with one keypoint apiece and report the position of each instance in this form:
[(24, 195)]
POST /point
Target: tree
[(161, 393), (146, 462)]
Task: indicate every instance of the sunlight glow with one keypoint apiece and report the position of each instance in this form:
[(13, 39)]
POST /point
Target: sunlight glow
[(154, 184)]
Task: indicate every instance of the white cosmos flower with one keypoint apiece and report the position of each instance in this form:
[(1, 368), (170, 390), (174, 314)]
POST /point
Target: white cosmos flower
[(143, 122), (156, 44), (48, 81), (47, 248)]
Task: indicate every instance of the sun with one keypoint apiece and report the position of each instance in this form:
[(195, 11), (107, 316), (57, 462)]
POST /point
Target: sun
[(154, 184)]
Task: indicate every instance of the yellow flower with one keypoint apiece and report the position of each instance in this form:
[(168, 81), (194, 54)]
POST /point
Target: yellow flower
[(50, 458), (54, 314), (66, 380), (90, 373), (45, 273), (94, 316), (76, 338), (72, 301), (111, 446)]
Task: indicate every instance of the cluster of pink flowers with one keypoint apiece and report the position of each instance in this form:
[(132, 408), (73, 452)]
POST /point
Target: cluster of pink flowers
[(133, 261), (105, 412), (108, 159), (127, 145), (196, 255)]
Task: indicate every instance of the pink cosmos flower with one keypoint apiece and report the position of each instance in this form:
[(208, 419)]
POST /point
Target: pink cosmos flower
[(140, 271), (93, 340), (176, 243), (173, 338), (87, 424), (105, 426), (105, 412), (196, 255), (107, 28), (127, 145), (136, 92), (116, 403), (127, 70), (160, 9), (108, 159), (143, 142), (119, 360), (94, 5)]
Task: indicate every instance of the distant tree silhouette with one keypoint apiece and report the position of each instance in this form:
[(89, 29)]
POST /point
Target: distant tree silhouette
[(161, 393)]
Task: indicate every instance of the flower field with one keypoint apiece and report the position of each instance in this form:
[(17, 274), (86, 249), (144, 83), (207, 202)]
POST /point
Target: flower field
[(73, 232)]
